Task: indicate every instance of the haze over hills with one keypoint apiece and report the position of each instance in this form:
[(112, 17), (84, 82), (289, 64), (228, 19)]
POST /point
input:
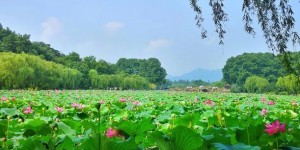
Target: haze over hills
[(203, 74)]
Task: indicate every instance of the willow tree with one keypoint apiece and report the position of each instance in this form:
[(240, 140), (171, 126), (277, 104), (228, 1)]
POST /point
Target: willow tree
[(256, 84), (289, 83), (19, 71), (275, 17)]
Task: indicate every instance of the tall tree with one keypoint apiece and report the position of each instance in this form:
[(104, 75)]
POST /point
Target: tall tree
[(13, 42), (130, 66), (256, 84), (45, 51), (289, 83), (150, 68), (104, 67), (19, 71), (72, 60), (238, 69)]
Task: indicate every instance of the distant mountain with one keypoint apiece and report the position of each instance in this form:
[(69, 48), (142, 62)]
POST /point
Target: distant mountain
[(203, 74)]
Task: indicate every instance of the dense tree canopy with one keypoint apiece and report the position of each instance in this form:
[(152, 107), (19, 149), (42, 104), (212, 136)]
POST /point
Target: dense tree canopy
[(149, 68), (289, 83), (127, 74), (17, 43), (18, 71), (45, 51), (120, 81), (13, 42), (238, 69), (185, 83), (256, 84)]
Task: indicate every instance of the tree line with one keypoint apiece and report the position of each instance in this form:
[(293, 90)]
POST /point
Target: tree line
[(261, 72), (26, 64), (19, 71), (135, 73)]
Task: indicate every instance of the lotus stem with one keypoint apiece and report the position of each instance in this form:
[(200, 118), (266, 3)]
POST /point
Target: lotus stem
[(277, 147), (99, 135), (248, 135)]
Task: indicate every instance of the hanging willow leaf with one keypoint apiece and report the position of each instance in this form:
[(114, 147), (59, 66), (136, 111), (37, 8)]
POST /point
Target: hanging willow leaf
[(275, 17)]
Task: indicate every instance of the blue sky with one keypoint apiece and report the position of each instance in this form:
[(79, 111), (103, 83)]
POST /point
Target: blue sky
[(112, 29)]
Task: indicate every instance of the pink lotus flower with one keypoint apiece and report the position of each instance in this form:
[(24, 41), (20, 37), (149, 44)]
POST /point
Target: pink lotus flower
[(274, 128), (262, 99), (4, 98), (294, 103), (80, 106), (209, 102), (263, 112), (123, 100), (59, 109), (271, 103), (196, 100), (111, 133), (28, 110), (57, 91), (137, 103), (74, 104), (101, 102), (13, 98)]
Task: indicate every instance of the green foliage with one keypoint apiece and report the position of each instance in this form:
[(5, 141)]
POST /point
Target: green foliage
[(238, 69), (67, 143), (9, 111), (219, 84), (148, 68), (120, 81), (65, 129), (31, 143), (17, 43), (19, 71), (181, 138), (45, 51), (185, 83), (289, 83), (234, 88), (105, 144), (256, 84), (55, 77), (239, 146), (163, 120), (12, 42)]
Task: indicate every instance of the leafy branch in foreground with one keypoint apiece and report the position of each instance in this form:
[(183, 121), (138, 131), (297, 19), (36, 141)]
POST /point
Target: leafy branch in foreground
[(275, 17)]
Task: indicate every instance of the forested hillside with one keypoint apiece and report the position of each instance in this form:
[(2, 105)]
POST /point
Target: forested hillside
[(88, 72), (261, 72), (238, 69)]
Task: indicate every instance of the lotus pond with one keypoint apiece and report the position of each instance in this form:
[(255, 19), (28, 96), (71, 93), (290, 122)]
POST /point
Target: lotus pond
[(149, 120)]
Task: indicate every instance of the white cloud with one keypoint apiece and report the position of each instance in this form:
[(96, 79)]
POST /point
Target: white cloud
[(154, 45), (113, 26), (52, 28)]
